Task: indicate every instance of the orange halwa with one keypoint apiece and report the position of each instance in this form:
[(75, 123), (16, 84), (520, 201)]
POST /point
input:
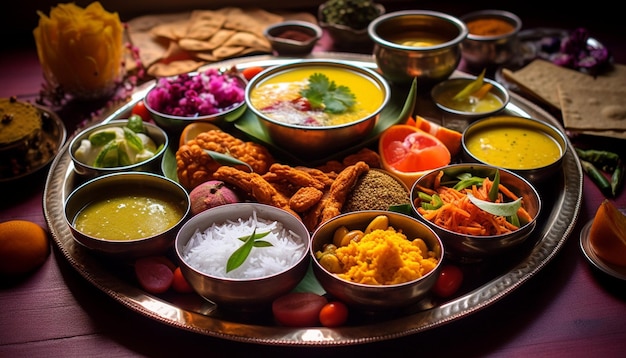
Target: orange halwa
[(385, 257)]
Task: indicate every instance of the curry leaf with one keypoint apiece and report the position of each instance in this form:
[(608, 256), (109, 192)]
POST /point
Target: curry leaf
[(499, 209), (240, 255), (226, 159)]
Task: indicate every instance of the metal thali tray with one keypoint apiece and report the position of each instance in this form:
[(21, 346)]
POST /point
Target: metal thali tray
[(490, 281)]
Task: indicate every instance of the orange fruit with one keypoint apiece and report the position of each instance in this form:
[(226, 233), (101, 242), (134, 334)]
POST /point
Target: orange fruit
[(409, 152), (607, 234), (193, 129), (449, 137), (24, 246)]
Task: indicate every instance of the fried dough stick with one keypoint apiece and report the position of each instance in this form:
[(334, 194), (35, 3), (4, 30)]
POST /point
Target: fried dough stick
[(331, 203), (255, 185), (294, 176)]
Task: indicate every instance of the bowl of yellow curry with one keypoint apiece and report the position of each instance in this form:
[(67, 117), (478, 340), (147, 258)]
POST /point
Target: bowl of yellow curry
[(314, 108), (376, 260), (126, 215), (529, 147)]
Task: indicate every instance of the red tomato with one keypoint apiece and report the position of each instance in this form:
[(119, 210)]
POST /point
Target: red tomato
[(179, 282), (250, 72), (448, 282), (298, 309), (334, 314), (141, 110)]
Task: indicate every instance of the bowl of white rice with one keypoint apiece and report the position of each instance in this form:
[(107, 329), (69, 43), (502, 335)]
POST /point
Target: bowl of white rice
[(243, 255)]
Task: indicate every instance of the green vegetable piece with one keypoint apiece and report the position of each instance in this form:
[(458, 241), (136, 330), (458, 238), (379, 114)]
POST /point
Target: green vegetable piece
[(240, 255), (324, 93), (135, 123), (617, 179), (108, 156), (401, 208), (424, 197), (133, 139), (499, 209), (435, 204), (597, 177), (604, 159), (495, 188), (472, 87), (467, 182), (101, 137)]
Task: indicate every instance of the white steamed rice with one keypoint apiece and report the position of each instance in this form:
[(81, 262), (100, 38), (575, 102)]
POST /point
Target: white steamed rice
[(208, 251)]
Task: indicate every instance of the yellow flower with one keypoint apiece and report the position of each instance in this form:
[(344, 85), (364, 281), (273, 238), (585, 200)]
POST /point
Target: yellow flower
[(81, 50)]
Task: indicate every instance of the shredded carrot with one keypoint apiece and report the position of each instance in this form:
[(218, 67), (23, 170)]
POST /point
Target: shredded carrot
[(460, 215)]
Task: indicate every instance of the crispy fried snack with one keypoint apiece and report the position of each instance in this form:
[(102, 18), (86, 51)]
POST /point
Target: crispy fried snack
[(255, 185), (366, 155), (194, 166), (297, 177), (304, 199), (332, 201)]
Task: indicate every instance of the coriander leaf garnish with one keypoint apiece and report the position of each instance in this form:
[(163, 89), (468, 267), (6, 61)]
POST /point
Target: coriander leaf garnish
[(324, 93), (240, 255)]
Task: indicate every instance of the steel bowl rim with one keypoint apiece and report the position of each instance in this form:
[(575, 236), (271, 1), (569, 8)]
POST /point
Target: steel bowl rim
[(528, 226), (228, 110), (330, 63), (510, 17), (103, 177), (116, 123), (225, 280), (506, 98), (294, 23), (461, 26), (392, 286)]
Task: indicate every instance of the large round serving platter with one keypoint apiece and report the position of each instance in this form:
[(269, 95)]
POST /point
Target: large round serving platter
[(488, 282)]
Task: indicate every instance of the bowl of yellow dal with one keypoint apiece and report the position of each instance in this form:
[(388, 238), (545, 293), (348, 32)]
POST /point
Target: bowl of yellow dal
[(376, 260), (453, 96), (127, 215), (529, 147), (314, 108)]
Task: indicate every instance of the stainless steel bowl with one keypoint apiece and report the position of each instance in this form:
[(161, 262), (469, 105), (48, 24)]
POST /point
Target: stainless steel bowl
[(242, 294), (434, 54), (175, 124), (304, 35), (314, 142), (536, 175), (376, 297), (345, 37), (490, 49), (471, 248), (126, 184), (443, 91), (152, 164)]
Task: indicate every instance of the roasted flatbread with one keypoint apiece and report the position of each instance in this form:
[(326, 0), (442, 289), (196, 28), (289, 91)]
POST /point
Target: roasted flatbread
[(593, 108)]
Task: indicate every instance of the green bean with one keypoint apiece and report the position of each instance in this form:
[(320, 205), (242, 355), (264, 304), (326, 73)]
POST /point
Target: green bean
[(606, 160), (617, 178), (597, 177)]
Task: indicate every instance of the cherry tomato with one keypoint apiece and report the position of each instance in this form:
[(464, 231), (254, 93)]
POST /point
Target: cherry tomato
[(298, 309), (334, 314), (180, 283), (141, 110), (448, 282), (250, 72)]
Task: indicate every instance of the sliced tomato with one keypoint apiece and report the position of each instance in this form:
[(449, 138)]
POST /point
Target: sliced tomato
[(250, 72), (298, 309), (180, 283), (140, 109)]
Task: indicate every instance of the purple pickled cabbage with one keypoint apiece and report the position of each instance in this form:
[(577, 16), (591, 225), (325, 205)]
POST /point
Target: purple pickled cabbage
[(206, 93)]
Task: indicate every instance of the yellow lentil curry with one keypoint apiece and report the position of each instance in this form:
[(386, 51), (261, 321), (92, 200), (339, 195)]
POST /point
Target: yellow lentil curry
[(279, 96)]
